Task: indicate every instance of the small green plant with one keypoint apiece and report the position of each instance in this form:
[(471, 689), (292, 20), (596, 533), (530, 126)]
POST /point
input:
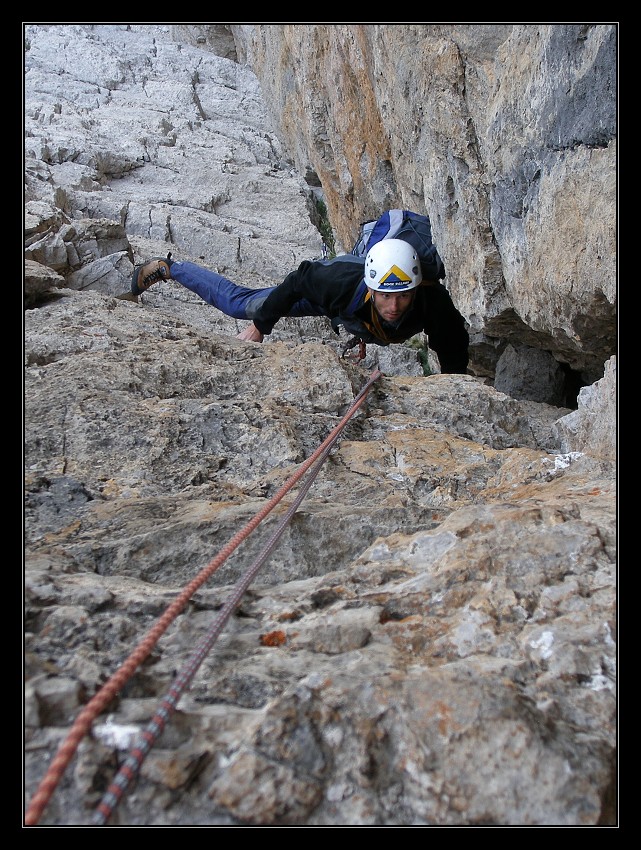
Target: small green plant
[(424, 360), (325, 227), (419, 342)]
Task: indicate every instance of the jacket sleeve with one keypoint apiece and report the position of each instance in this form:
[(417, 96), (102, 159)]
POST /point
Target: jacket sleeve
[(446, 331), (326, 285)]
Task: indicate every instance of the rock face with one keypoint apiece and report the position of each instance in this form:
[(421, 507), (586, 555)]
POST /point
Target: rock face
[(504, 133), (432, 640)]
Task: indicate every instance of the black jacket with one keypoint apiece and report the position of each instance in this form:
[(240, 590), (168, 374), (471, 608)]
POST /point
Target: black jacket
[(337, 289)]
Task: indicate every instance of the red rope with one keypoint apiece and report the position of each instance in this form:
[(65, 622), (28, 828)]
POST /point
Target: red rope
[(109, 690), (168, 704)]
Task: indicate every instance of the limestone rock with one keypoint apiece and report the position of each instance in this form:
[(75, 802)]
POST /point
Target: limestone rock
[(432, 641)]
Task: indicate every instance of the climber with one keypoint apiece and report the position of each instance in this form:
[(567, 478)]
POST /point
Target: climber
[(381, 299)]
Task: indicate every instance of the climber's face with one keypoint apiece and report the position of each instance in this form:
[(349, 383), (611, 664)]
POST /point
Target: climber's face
[(392, 305)]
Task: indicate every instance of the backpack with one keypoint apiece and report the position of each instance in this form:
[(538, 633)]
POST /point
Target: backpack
[(410, 226)]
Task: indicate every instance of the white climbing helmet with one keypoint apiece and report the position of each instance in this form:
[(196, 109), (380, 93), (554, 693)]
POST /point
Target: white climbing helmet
[(392, 265)]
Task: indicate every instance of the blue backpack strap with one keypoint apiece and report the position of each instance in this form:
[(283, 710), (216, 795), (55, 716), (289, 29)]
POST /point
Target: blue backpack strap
[(357, 298)]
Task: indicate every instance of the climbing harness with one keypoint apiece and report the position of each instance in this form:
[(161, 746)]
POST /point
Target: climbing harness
[(104, 696)]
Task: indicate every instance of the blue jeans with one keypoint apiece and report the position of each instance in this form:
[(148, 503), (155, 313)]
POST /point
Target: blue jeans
[(239, 302)]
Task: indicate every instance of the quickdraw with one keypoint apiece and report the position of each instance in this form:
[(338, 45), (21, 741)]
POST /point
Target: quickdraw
[(352, 343)]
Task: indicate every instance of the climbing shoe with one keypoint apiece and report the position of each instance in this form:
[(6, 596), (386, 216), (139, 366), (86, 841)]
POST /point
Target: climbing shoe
[(146, 274)]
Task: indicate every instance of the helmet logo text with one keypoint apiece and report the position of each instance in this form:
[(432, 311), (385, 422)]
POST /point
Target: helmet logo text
[(394, 278)]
